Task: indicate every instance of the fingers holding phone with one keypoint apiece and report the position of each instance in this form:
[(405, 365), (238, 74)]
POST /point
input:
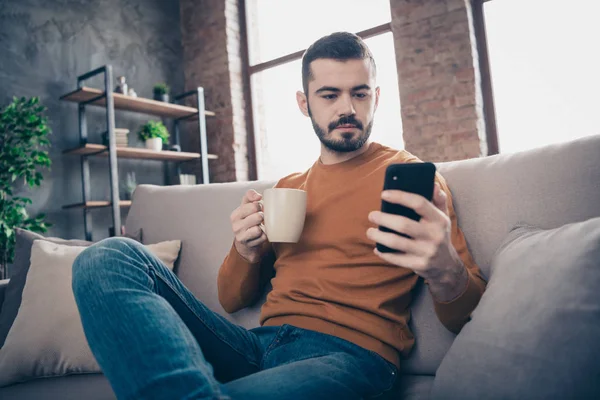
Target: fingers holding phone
[(413, 225), (407, 191), (440, 199)]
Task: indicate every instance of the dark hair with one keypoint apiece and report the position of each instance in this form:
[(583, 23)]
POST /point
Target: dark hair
[(339, 46)]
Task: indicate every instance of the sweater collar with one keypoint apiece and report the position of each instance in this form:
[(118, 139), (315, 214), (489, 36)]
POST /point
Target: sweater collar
[(355, 161)]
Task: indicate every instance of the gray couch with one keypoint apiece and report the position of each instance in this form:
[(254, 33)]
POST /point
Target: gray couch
[(547, 187)]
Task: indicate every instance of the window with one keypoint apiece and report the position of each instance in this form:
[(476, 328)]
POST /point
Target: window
[(277, 28), (544, 69), (285, 139)]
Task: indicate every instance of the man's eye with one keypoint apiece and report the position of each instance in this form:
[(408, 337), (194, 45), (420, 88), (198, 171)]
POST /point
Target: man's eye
[(330, 96), (360, 95)]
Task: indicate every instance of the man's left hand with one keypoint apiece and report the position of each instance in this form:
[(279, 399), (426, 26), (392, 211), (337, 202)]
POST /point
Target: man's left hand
[(429, 251)]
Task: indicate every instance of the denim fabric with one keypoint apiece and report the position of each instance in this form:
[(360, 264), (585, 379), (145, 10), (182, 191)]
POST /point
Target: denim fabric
[(154, 340)]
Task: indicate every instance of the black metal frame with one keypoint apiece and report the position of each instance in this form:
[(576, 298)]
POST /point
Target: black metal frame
[(112, 148), (199, 93)]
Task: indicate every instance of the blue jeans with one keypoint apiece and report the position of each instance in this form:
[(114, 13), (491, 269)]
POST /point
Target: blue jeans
[(154, 340)]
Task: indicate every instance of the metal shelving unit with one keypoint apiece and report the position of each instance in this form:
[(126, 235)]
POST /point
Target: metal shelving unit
[(110, 101)]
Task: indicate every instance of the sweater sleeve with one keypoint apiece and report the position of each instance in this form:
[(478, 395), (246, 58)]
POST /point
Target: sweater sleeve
[(454, 314), (239, 282)]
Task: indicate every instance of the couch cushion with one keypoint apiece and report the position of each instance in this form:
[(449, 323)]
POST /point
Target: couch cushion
[(414, 387), (47, 338), (535, 332), (546, 187), (199, 216), (73, 387), (12, 297), (12, 291)]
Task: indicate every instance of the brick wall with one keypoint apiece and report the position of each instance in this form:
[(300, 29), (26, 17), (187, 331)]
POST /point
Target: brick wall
[(211, 59), (439, 81)]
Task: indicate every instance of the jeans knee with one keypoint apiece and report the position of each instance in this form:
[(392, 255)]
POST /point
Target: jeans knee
[(93, 263), (116, 243), (83, 270), (86, 267)]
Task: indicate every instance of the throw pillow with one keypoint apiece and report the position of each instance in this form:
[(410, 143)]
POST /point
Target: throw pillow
[(12, 296), (46, 338), (534, 334)]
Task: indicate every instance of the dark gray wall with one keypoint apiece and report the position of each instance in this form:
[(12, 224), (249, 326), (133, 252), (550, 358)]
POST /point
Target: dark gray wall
[(46, 44)]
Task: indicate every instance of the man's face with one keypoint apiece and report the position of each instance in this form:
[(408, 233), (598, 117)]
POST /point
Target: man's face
[(341, 103)]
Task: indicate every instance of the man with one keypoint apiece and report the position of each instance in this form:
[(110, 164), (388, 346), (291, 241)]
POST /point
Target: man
[(335, 324)]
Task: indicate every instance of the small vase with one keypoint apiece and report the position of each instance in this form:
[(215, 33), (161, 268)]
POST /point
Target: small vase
[(122, 86), (162, 97), (154, 144)]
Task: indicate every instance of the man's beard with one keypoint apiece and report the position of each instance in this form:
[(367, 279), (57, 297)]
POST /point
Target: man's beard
[(349, 142)]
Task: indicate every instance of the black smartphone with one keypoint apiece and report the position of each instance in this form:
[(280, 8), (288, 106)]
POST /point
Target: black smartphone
[(416, 178)]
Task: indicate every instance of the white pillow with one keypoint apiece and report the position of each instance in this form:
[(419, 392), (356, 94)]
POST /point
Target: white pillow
[(46, 338), (535, 333)]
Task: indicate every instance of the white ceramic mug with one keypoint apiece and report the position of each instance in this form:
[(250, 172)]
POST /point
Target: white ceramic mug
[(284, 211)]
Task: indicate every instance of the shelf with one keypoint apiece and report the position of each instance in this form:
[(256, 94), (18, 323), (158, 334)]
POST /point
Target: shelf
[(97, 204), (92, 149), (181, 111), (136, 104)]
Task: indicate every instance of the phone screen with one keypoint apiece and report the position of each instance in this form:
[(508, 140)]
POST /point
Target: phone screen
[(416, 178)]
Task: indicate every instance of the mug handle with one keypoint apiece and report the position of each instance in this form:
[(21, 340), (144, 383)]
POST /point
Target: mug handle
[(262, 225)]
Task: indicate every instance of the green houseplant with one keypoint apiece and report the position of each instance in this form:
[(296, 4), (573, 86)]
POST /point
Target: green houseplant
[(154, 134), (24, 134), (161, 92)]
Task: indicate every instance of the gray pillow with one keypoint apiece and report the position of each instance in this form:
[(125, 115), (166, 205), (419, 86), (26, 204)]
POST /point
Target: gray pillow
[(20, 267), (536, 332), (46, 338)]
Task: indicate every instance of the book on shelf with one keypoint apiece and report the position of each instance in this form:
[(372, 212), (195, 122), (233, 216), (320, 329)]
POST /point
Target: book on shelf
[(121, 138)]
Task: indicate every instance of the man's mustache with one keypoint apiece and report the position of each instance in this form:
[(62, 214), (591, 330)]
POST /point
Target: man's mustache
[(350, 120)]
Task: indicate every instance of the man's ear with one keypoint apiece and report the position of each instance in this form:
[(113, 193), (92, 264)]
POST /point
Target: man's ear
[(302, 102), (376, 97)]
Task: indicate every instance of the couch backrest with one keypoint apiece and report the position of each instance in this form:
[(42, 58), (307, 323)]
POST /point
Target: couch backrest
[(547, 187), (199, 217)]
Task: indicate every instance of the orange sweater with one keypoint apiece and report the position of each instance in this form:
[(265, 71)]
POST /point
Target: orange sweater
[(331, 281)]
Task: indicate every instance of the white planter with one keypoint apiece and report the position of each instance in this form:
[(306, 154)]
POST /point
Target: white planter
[(154, 144)]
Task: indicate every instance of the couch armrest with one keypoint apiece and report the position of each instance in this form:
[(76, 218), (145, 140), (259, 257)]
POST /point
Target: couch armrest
[(3, 286)]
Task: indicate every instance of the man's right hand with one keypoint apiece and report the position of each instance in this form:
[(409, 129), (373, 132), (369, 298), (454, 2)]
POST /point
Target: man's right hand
[(245, 221)]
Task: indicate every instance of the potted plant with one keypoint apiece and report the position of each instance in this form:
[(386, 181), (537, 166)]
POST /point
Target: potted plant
[(154, 134), (161, 92), (24, 134)]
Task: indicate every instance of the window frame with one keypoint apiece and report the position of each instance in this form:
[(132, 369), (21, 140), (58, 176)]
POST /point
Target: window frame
[(489, 111), (248, 70)]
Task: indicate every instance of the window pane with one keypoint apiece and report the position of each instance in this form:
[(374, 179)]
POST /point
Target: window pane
[(387, 128), (544, 70), (277, 27), (285, 139)]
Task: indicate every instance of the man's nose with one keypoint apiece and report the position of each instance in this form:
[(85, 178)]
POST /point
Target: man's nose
[(346, 106)]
